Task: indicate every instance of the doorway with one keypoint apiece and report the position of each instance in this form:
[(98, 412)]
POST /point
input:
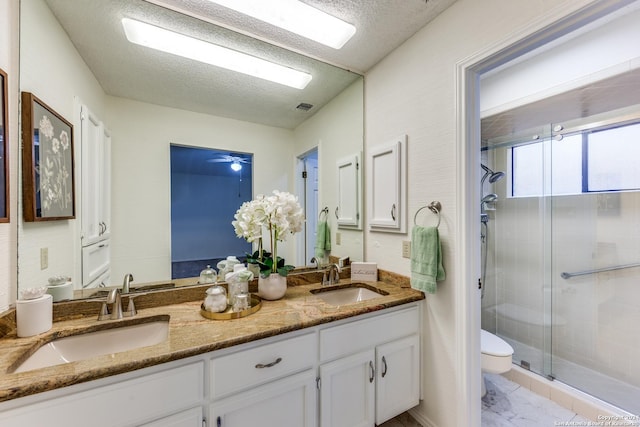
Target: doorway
[(207, 188), (307, 189)]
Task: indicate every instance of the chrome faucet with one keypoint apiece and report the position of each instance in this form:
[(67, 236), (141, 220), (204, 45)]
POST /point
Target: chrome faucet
[(315, 261), (331, 275), (114, 299), (128, 278)]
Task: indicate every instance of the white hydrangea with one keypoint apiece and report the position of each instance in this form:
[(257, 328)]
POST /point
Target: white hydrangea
[(250, 218), (279, 214), (285, 214)]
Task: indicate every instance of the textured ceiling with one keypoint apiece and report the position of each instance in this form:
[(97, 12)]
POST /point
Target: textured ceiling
[(135, 72)]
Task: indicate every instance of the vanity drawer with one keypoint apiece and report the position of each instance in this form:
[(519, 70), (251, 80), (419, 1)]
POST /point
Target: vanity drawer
[(353, 337), (247, 368), (95, 261)]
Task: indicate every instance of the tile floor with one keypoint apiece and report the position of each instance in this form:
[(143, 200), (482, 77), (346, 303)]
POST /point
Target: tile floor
[(508, 404)]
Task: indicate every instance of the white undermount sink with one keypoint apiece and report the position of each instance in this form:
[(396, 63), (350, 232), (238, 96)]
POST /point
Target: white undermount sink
[(91, 344), (348, 295)]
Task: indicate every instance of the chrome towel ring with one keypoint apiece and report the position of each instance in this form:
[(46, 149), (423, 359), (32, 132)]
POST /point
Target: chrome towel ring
[(434, 207), (325, 211)]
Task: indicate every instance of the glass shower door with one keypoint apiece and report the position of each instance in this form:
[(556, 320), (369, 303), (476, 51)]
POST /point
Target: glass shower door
[(595, 274)]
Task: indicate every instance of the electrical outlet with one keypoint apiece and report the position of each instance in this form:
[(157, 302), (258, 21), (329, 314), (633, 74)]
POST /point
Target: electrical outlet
[(338, 238), (44, 258), (406, 248)]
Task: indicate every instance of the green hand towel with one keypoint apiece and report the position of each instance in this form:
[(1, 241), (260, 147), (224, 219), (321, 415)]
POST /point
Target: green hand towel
[(323, 239), (426, 259)]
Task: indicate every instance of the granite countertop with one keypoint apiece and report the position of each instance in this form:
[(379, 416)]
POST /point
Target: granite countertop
[(190, 333)]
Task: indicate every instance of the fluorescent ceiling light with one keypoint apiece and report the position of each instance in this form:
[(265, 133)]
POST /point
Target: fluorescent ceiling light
[(178, 44), (297, 17)]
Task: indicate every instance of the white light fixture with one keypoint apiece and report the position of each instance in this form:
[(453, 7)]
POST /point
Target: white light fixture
[(236, 166), (297, 17), (178, 44)]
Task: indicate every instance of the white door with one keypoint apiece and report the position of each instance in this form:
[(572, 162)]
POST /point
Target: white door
[(398, 377), (287, 402), (347, 391)]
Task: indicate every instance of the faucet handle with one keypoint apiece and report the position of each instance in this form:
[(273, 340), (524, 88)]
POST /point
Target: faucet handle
[(131, 308), (104, 311)]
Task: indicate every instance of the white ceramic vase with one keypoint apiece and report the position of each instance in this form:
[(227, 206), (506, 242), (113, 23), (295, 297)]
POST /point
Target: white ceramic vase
[(272, 287)]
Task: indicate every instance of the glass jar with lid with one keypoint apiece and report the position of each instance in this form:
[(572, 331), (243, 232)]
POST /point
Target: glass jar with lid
[(216, 300), (208, 275)]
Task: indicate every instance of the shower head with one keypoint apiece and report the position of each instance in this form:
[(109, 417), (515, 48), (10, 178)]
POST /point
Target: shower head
[(496, 176), (489, 198), (493, 176)]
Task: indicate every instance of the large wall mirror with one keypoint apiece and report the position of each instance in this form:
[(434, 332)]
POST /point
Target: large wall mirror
[(138, 102)]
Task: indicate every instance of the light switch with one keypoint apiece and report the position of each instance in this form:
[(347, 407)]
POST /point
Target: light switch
[(406, 248)]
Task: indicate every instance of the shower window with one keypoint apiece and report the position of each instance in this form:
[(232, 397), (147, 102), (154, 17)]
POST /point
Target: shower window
[(595, 161)]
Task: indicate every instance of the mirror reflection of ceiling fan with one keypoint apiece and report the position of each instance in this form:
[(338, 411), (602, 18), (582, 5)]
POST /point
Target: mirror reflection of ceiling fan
[(235, 161)]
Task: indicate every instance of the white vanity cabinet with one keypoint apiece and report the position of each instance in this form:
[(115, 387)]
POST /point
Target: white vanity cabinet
[(370, 370), (365, 368), (159, 398), (271, 385)]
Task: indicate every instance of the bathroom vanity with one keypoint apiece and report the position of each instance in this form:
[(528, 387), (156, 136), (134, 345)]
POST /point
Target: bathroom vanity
[(299, 361)]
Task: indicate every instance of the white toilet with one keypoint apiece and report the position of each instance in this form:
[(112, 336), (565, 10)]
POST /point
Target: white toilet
[(496, 355)]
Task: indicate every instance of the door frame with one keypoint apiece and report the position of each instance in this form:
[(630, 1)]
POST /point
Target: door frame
[(302, 258)]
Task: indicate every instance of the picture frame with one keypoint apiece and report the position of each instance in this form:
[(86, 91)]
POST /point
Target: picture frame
[(48, 184), (4, 148)]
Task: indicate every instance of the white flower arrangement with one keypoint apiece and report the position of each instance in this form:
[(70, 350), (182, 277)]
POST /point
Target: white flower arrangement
[(281, 215)]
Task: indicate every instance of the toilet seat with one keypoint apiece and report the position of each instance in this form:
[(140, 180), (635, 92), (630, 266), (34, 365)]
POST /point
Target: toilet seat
[(493, 345)]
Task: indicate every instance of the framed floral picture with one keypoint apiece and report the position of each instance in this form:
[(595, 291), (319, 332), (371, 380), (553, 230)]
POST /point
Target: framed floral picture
[(4, 150), (48, 191)]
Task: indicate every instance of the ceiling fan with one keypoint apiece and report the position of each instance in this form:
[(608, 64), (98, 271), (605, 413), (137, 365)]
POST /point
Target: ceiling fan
[(236, 161)]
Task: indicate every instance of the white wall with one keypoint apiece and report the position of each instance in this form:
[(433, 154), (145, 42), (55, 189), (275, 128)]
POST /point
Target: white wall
[(337, 130), (9, 21), (52, 69), (141, 210), (413, 91), (566, 66)]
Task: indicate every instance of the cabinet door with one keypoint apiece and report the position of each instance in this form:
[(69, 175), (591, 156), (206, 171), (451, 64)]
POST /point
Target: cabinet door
[(91, 143), (104, 202), (387, 188), (348, 210), (189, 418), (290, 401), (398, 377), (347, 391), (96, 178)]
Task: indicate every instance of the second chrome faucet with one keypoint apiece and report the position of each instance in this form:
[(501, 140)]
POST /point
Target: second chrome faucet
[(331, 275)]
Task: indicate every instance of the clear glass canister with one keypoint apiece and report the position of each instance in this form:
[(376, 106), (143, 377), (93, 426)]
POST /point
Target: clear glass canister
[(216, 300), (208, 275), (241, 302)]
